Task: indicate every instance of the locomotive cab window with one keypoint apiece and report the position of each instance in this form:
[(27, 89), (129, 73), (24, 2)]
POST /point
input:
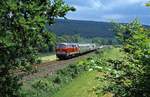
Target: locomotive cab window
[(73, 46), (61, 46)]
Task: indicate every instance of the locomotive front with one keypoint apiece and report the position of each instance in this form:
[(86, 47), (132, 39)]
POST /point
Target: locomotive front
[(66, 50)]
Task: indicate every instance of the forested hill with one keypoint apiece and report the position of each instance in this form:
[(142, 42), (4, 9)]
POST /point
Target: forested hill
[(83, 28)]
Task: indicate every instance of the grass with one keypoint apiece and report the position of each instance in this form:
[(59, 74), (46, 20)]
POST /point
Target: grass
[(113, 53), (80, 87), (48, 57)]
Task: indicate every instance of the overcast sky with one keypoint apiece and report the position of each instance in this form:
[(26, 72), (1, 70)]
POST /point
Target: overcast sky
[(106, 10)]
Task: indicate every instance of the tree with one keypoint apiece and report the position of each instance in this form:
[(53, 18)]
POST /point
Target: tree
[(130, 77), (148, 4), (136, 44), (22, 30), (68, 38), (97, 41)]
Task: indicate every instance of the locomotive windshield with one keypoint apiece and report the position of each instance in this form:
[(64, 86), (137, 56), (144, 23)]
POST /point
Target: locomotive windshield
[(61, 46)]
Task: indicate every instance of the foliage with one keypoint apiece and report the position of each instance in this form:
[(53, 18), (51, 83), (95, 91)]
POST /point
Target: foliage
[(104, 41), (50, 46), (49, 86), (129, 77), (22, 31)]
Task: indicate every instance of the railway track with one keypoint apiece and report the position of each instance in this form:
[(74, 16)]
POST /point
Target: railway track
[(49, 68)]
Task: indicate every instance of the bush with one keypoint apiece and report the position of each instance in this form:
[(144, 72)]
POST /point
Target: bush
[(130, 77), (49, 86)]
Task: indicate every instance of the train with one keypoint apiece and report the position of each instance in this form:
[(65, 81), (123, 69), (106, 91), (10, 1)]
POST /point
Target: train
[(68, 50)]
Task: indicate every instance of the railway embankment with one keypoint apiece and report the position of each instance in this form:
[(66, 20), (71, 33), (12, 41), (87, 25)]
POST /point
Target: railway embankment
[(49, 68)]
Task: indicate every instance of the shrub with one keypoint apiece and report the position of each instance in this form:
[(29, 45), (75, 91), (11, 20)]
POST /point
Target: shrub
[(49, 86), (130, 77)]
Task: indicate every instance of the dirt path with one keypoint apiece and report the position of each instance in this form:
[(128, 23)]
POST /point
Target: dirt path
[(48, 68)]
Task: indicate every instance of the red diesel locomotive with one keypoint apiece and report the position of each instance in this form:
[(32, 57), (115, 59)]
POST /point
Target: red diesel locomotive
[(67, 50)]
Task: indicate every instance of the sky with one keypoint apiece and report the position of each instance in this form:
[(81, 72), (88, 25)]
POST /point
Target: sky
[(108, 10)]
